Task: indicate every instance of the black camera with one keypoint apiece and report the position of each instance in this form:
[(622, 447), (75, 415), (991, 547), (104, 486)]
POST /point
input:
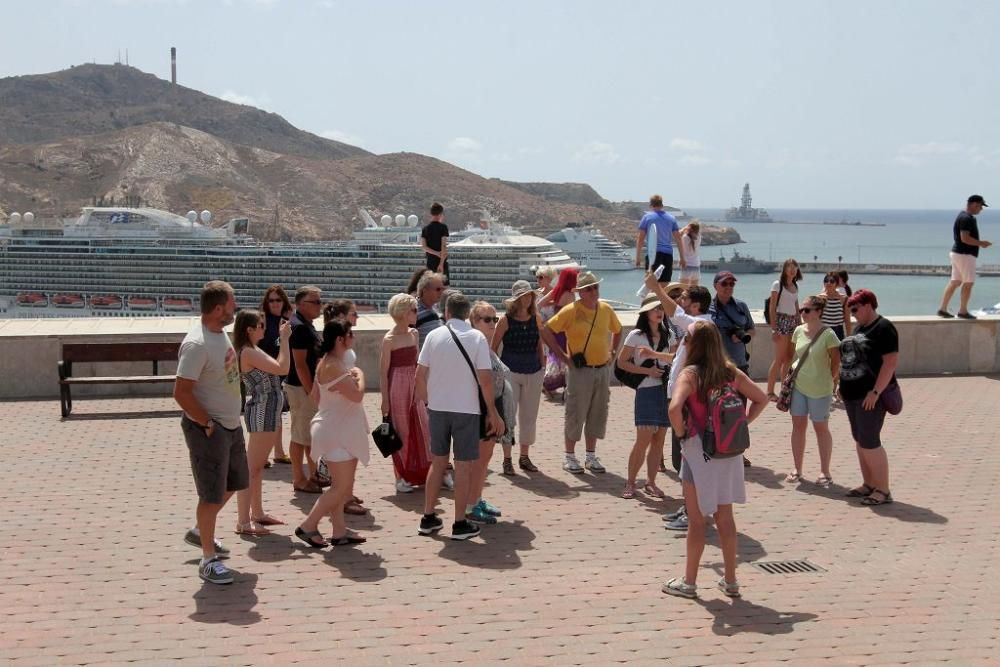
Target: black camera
[(741, 334), (579, 360)]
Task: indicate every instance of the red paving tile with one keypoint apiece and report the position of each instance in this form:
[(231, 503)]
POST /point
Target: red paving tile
[(95, 570)]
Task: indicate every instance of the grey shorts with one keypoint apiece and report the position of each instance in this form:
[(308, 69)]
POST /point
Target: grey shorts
[(218, 463), (460, 427)]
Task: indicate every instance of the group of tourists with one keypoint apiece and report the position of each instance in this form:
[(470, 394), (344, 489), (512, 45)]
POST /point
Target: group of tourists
[(456, 377)]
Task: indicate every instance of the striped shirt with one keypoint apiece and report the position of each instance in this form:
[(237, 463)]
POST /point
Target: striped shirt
[(833, 313)]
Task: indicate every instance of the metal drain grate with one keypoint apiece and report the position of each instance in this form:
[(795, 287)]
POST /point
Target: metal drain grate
[(788, 567)]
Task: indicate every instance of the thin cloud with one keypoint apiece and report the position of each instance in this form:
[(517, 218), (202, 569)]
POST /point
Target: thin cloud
[(683, 145), (464, 145), (597, 152), (915, 155), (248, 100)]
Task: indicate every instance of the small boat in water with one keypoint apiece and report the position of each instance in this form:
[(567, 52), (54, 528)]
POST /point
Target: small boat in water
[(742, 264)]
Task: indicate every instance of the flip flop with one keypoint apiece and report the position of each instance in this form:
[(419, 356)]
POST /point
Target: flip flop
[(308, 537), (654, 491), (346, 540), (268, 520), (249, 530), (283, 459), (823, 480)]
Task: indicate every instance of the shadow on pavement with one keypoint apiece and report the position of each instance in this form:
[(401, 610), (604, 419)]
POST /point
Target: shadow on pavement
[(764, 476), (355, 564), (542, 485), (232, 603), (495, 548), (894, 510), (743, 616)]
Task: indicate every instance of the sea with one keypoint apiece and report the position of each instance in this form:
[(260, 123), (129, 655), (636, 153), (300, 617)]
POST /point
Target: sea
[(922, 237)]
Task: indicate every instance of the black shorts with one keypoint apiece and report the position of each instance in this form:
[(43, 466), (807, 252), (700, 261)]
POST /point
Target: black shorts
[(866, 425), (218, 463), (666, 260), (433, 261)]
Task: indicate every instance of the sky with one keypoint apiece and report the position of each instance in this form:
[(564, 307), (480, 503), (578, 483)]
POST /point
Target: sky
[(818, 104)]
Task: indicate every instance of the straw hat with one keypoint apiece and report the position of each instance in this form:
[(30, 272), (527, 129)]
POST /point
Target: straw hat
[(517, 290), (649, 303), (587, 279)]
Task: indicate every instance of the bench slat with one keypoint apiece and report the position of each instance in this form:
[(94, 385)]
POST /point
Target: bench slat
[(114, 352), (131, 379)]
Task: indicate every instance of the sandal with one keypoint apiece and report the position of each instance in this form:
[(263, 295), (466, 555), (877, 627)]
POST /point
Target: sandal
[(629, 492), (355, 499), (347, 538), (525, 464), (663, 466), (250, 530), (824, 480), (355, 509), (654, 491), (772, 397), (508, 468), (872, 501), (320, 481), (283, 459), (793, 478), (862, 491), (680, 588), (309, 487), (268, 520), (309, 538)]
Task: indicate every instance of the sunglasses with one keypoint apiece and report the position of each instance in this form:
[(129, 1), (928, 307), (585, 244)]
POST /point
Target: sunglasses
[(315, 303), (727, 283), (491, 320), (827, 281), (803, 311), (275, 301)]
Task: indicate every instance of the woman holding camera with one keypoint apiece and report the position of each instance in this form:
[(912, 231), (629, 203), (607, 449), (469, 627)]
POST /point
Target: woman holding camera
[(812, 395)]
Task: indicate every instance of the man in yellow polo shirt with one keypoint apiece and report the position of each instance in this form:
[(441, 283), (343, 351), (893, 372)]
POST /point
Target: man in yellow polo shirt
[(593, 332)]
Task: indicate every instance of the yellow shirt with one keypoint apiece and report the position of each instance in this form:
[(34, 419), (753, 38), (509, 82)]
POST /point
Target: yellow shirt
[(575, 321)]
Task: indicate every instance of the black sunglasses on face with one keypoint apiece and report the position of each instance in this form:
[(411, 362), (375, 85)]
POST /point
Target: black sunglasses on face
[(492, 320), (275, 301), (803, 311), (827, 281)]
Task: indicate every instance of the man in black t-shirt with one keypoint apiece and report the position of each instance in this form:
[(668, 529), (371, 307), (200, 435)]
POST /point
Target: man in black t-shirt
[(434, 241), (304, 343), (963, 255)]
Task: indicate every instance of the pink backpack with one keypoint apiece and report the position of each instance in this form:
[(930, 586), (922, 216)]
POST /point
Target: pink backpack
[(725, 433)]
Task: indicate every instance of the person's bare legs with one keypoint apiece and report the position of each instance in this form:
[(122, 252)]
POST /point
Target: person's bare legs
[(480, 470), (779, 365), (433, 487), (654, 454), (949, 291), (799, 426), (205, 515), (643, 436), (248, 501), (867, 475), (963, 298), (824, 440), (725, 523), (695, 534), (878, 465), (465, 472), (297, 451), (591, 444), (279, 445), (331, 503)]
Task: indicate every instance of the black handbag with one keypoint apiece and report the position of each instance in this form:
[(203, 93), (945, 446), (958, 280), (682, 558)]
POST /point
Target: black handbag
[(484, 428), (386, 438), (633, 380)]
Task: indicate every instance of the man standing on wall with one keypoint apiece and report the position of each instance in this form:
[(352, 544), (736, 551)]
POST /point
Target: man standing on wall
[(668, 233), (963, 254), (434, 241)]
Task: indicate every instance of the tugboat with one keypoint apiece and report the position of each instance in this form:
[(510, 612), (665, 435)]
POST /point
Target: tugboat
[(745, 212), (742, 264)]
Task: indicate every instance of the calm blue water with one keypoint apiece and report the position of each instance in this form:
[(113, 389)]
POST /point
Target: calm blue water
[(908, 237)]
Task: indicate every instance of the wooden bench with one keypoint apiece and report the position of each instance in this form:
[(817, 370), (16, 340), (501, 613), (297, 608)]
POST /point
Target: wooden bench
[(111, 352)]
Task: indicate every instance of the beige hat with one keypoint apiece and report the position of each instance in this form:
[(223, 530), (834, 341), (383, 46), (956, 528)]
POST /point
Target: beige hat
[(587, 279), (517, 290), (670, 287), (649, 303)]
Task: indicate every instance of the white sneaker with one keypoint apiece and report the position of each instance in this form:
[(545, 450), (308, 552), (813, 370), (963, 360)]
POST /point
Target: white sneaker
[(593, 464), (572, 465), (402, 486), (449, 481)]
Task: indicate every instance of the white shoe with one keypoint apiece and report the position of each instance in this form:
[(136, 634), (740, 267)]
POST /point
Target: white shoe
[(402, 486), (449, 481)]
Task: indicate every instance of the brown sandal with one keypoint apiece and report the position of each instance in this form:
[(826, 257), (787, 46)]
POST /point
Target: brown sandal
[(309, 487), (250, 530), (355, 509)]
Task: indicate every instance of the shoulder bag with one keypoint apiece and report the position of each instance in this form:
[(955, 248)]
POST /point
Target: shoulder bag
[(784, 401)]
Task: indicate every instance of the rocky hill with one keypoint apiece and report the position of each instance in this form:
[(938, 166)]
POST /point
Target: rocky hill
[(113, 131)]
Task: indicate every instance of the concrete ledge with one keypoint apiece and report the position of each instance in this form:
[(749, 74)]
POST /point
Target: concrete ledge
[(30, 349)]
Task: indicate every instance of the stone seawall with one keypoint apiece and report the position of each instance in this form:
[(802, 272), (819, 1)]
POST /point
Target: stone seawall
[(30, 349)]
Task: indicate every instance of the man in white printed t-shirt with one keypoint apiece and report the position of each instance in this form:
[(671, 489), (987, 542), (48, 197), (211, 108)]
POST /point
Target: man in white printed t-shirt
[(447, 383), (208, 391)]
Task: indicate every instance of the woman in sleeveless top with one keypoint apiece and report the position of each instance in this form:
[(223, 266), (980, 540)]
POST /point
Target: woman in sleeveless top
[(712, 486), (835, 313), (398, 372), (524, 355), (276, 308), (784, 315), (691, 245), (563, 294), (261, 377), (545, 275), (340, 435)]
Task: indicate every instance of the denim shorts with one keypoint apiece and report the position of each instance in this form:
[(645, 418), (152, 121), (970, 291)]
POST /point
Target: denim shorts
[(651, 407), (817, 409)]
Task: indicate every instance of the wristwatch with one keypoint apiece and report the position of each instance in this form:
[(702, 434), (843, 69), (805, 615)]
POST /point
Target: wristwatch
[(875, 391)]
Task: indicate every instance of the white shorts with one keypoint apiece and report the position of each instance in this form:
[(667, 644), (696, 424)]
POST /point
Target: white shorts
[(963, 267), (691, 273)]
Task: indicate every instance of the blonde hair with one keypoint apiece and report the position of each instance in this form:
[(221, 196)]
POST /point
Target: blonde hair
[(547, 271), (818, 299), (401, 304), (480, 306)]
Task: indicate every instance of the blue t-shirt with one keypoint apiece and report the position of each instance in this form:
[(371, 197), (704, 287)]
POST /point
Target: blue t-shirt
[(666, 225)]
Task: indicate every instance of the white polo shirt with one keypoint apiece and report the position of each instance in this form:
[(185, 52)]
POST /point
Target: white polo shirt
[(451, 387)]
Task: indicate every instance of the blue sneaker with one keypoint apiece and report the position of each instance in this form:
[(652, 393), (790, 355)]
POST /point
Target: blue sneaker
[(479, 515), (679, 524), (488, 508)]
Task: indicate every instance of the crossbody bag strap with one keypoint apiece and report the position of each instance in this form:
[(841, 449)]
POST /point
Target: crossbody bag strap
[(465, 355), (592, 324), (805, 355)]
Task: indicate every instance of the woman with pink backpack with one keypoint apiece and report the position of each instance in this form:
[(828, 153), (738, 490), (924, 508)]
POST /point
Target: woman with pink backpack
[(708, 409)]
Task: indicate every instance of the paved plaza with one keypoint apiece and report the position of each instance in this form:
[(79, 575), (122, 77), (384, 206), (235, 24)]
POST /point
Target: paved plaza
[(95, 569)]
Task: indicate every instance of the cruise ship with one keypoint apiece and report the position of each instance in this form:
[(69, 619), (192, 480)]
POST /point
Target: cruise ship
[(593, 249), (130, 262)]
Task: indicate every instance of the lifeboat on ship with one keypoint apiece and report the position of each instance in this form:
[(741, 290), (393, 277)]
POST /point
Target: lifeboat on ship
[(69, 301), (142, 303), (32, 299), (177, 303), (106, 302)]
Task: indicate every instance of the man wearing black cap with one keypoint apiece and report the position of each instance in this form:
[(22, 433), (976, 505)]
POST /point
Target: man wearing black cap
[(963, 257), (733, 319)]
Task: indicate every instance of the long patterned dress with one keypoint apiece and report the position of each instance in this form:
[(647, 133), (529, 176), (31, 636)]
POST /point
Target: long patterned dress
[(409, 417)]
